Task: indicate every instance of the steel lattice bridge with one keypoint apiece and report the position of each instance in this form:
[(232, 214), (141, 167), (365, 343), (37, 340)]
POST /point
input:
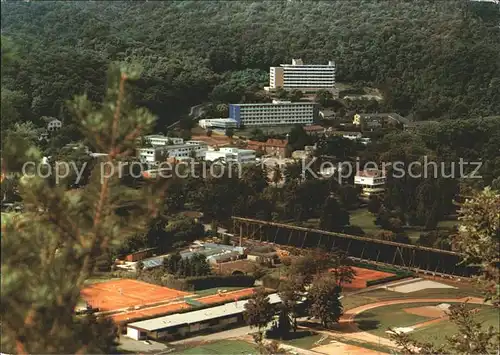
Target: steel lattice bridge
[(405, 256)]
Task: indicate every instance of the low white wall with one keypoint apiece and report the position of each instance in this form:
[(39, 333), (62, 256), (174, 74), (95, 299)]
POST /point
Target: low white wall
[(133, 333)]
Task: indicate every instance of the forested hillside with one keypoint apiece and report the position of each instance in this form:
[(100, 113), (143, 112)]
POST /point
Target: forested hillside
[(433, 59)]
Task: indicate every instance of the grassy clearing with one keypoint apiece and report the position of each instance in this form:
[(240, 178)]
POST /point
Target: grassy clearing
[(437, 333), (213, 291), (364, 219), (219, 347)]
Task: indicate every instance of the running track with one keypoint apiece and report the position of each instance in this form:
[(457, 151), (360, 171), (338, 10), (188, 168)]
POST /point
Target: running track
[(349, 329)]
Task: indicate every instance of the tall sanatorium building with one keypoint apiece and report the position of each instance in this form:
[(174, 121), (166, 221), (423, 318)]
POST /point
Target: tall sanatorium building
[(304, 77)]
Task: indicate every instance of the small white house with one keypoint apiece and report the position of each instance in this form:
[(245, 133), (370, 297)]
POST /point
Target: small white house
[(372, 182), (54, 125)]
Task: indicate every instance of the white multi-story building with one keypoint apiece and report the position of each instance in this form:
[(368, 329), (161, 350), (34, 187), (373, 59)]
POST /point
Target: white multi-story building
[(221, 123), (372, 182), (272, 114), (304, 77), (159, 140), (190, 149), (231, 155)]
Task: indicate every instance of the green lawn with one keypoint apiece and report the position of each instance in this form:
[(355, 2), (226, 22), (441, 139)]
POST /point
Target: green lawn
[(437, 333), (307, 340), (364, 219), (213, 291), (220, 347)]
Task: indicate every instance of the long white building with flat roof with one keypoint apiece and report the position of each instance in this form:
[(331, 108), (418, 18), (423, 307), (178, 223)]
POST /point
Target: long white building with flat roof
[(273, 114), (159, 140), (303, 77), (180, 325), (190, 149), (231, 155), (220, 123)]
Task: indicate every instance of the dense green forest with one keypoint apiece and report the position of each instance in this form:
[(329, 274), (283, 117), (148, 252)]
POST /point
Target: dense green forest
[(436, 59)]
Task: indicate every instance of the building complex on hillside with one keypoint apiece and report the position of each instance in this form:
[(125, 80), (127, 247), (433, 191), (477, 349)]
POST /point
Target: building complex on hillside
[(273, 114), (303, 77), (372, 182), (371, 121)]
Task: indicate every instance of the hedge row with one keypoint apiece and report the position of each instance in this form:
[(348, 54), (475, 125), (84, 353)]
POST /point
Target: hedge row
[(158, 277), (387, 269), (386, 279), (211, 281)]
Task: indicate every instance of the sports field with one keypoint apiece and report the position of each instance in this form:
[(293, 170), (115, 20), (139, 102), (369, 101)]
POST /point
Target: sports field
[(378, 320), (364, 275), (424, 321), (124, 293)]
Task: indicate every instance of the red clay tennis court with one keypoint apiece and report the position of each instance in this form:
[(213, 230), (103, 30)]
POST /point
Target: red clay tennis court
[(117, 294), (149, 312), (364, 275), (227, 296)]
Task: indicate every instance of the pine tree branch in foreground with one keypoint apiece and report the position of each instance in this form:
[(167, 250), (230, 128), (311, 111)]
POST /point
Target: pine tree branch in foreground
[(50, 250)]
